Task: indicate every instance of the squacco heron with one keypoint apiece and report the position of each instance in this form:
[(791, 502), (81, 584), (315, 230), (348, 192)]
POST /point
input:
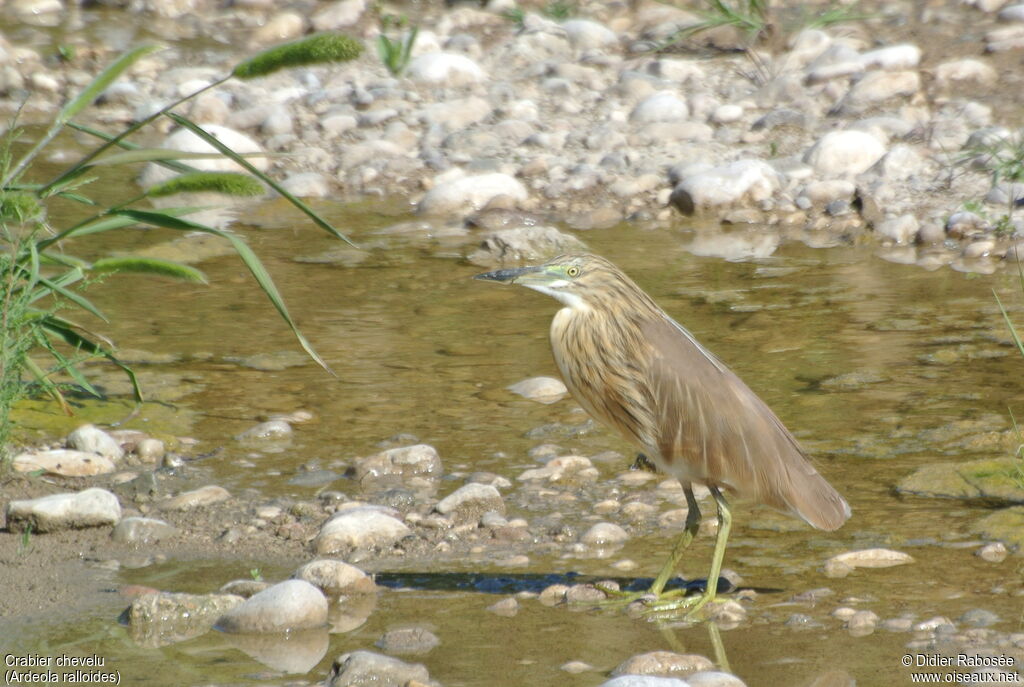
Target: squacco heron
[(638, 371)]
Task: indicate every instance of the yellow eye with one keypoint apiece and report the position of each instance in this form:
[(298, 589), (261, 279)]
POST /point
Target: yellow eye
[(573, 271)]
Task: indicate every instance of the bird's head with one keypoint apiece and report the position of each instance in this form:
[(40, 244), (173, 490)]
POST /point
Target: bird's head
[(577, 280)]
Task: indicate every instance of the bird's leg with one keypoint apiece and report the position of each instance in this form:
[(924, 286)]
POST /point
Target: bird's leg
[(695, 603), (668, 571)]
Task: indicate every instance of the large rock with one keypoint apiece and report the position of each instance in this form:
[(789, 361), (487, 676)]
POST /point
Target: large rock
[(1006, 525), (285, 607), (62, 461), (523, 244), (186, 141), (370, 669), (742, 182), (991, 479), (844, 153), (163, 618), (88, 508), (136, 530), (359, 529), (469, 502), (470, 193), (336, 578), (92, 439)]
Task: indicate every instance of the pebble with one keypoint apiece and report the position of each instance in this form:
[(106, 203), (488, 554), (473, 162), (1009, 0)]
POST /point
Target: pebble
[(563, 470), (407, 641), (272, 430), (88, 508), (933, 624), (902, 229), (370, 668), (714, 678), (702, 188), (470, 193), (91, 439), (873, 558), (993, 552), (553, 595), (62, 461), (844, 153), (583, 593), (979, 617), (545, 390), (862, 623), (663, 106), (445, 69), (150, 450), (138, 530), (284, 607), (335, 578), (644, 681), (589, 35), (605, 534), (365, 528), (663, 664), (284, 26), (898, 624), (338, 15), (522, 245), (506, 608), (470, 502), (420, 461), (196, 498), (964, 71), (576, 667)]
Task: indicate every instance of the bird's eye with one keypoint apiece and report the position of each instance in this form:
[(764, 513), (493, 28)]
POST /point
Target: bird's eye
[(573, 271)]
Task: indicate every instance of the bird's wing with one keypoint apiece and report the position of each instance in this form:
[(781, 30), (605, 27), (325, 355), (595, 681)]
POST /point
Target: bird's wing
[(712, 428)]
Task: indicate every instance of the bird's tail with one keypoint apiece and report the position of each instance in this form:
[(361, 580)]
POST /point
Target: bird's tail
[(812, 498)]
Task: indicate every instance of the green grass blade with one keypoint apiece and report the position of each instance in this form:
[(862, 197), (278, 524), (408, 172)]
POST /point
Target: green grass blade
[(54, 287), (68, 332), (157, 266), (103, 81), (127, 145), (1006, 318), (252, 262), (91, 92), (212, 140), (49, 387)]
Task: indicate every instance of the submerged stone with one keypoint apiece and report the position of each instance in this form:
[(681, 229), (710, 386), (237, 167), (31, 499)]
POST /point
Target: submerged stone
[(994, 480)]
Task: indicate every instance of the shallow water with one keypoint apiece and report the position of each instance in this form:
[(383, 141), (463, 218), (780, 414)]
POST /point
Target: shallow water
[(878, 368)]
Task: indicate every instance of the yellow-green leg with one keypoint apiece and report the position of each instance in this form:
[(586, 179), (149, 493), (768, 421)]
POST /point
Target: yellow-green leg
[(694, 604), (668, 570)]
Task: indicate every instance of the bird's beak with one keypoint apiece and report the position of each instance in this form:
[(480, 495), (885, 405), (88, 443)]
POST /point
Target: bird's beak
[(512, 276)]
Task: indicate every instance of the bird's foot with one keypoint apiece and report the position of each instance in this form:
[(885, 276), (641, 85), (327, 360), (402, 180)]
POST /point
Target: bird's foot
[(666, 604), (670, 608), (617, 598)]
